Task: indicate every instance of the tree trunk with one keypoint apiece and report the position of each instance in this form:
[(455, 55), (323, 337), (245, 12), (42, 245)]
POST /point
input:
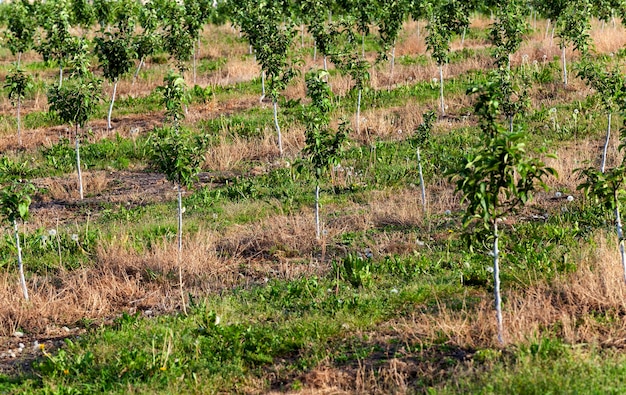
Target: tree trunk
[(317, 210), (422, 186), (60, 75), (496, 281), (19, 261), (280, 138), (80, 177), (109, 127), (180, 248), (137, 71), (314, 50), (606, 144), (564, 65), (547, 28), (19, 123), (358, 112), (510, 123), (19, 59), (262, 86), (442, 104), (363, 45), (194, 61), (393, 60), (463, 36), (325, 64), (620, 235)]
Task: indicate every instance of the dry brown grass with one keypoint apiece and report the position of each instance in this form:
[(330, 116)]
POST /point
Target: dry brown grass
[(563, 308)]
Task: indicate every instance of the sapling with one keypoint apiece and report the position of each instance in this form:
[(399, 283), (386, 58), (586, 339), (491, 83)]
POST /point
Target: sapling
[(607, 188), (14, 206), (420, 139), (610, 86), (323, 147), (117, 55), (175, 152), (496, 178), (271, 40), (75, 103), (444, 20), (20, 32), (18, 84)]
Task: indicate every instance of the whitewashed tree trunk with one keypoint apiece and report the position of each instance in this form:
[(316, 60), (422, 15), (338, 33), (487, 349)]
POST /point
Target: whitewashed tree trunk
[(60, 75), (138, 69), (314, 50), (262, 86), (463, 36), (19, 123), (194, 61), (180, 247), (317, 210), (280, 137), (620, 235), (564, 65), (547, 28), (20, 265), (606, 144), (111, 105), (393, 59), (496, 281), (358, 112), (441, 102), (80, 177), (422, 186)]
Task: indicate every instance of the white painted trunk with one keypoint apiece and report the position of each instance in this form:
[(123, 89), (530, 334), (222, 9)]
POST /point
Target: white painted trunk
[(20, 265), (60, 75), (19, 123), (393, 59), (138, 69), (179, 255), (317, 211), (606, 144), (111, 106), (564, 65), (441, 102), (80, 177), (262, 86), (422, 186), (496, 282), (314, 51), (358, 112), (280, 138), (620, 237)]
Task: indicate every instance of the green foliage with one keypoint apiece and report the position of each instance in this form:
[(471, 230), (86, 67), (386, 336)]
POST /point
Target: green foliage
[(445, 19), (605, 188), (116, 54), (421, 136), (610, 84), (18, 84), (15, 201), (354, 269), (508, 31), (177, 153), (574, 23), (499, 176), (323, 147), (174, 97), (76, 101), (21, 25)]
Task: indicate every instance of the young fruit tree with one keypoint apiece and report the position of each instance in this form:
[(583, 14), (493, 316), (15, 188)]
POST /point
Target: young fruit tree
[(497, 177), (176, 152), (75, 103), (444, 20), (573, 26), (117, 57), (21, 26), (271, 41), (607, 188), (418, 140), (59, 45), (14, 206), (18, 84), (323, 147), (611, 88), (508, 30)]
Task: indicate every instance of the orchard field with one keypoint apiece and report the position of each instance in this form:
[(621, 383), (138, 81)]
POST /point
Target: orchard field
[(312, 197)]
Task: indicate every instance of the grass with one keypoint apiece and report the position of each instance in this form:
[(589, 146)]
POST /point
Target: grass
[(388, 300)]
